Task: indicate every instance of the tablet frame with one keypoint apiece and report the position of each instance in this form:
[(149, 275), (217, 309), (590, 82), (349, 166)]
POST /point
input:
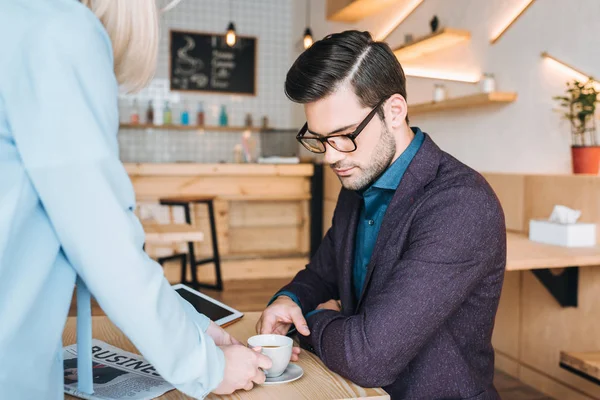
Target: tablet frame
[(223, 322)]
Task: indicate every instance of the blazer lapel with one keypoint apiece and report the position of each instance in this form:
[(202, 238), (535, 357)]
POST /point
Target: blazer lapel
[(346, 249), (419, 173)]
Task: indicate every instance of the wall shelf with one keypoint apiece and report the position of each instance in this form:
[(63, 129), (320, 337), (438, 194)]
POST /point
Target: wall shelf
[(354, 10), (476, 100), (207, 128), (436, 41)]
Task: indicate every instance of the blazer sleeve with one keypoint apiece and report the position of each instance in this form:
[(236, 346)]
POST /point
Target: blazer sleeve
[(457, 239), (317, 283), (62, 108)]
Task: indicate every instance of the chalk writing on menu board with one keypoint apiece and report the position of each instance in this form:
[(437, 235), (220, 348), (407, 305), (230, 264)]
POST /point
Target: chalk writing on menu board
[(204, 62)]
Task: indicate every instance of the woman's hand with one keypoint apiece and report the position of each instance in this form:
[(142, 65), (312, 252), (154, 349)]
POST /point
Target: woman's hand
[(220, 336)]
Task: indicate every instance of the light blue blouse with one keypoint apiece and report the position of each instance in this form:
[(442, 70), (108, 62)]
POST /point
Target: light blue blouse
[(66, 209)]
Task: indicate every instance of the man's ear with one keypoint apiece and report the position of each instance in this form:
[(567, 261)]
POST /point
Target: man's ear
[(396, 110)]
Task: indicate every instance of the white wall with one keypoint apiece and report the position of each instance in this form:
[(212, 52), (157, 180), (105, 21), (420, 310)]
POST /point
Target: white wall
[(527, 135)]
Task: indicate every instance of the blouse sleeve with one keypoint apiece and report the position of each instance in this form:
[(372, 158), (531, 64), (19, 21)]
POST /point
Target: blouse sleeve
[(62, 110)]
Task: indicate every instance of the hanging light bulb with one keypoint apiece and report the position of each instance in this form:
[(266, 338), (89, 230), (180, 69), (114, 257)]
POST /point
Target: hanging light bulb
[(230, 37), (308, 39)]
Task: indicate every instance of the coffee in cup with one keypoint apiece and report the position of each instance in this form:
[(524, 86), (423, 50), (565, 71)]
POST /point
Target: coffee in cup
[(278, 348)]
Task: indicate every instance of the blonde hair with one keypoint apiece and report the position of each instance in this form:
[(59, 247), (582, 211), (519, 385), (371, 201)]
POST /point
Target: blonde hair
[(133, 29)]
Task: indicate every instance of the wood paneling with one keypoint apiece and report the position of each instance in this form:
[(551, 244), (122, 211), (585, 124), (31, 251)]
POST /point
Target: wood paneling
[(506, 333), (266, 214), (285, 266), (549, 329), (510, 189), (261, 211), (551, 387), (581, 192)]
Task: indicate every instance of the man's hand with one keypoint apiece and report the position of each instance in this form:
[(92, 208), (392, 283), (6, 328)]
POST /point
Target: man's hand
[(280, 315), (220, 336), (334, 305), (243, 368)]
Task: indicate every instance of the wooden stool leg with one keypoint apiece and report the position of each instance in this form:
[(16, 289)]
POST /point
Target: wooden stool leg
[(192, 253), (215, 245)]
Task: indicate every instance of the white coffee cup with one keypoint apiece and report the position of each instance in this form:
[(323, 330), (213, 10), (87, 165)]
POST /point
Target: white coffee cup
[(278, 348)]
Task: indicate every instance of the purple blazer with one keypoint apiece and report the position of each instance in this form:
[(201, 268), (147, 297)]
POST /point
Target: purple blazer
[(422, 327)]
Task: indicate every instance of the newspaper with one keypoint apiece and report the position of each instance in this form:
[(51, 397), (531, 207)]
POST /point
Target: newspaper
[(118, 374)]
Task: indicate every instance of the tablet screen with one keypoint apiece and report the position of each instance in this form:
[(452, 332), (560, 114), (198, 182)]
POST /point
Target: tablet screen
[(203, 306)]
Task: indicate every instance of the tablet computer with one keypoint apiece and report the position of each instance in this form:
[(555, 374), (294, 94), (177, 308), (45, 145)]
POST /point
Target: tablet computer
[(215, 310)]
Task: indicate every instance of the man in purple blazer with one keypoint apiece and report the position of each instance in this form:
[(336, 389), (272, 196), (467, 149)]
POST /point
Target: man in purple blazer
[(403, 291)]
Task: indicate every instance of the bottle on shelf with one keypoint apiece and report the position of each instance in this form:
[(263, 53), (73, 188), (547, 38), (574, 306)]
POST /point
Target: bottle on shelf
[(158, 113), (167, 114), (248, 120), (185, 115), (150, 114), (200, 115), (134, 116), (223, 118)]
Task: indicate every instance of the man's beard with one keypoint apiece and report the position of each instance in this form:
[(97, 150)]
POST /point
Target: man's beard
[(381, 159)]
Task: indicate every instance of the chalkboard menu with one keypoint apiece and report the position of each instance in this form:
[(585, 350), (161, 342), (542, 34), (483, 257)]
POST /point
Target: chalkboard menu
[(204, 62)]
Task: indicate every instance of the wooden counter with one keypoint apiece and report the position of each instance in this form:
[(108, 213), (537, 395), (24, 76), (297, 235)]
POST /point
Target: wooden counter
[(523, 254), (262, 213)]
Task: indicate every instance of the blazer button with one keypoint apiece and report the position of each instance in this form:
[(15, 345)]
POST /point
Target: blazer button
[(371, 222)]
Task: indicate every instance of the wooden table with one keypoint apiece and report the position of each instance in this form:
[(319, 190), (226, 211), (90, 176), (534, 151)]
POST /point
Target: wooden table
[(318, 382), (523, 254)]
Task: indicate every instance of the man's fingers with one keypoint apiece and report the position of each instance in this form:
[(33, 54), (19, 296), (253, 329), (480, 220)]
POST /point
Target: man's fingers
[(300, 322), (268, 323), (259, 323), (282, 329), (295, 352)]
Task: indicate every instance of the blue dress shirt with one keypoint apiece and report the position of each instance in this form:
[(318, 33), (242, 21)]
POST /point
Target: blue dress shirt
[(66, 209), (376, 199)]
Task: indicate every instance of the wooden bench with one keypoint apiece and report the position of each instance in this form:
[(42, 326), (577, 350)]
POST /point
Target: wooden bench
[(170, 233)]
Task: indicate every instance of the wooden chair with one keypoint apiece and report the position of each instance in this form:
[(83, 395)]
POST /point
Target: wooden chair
[(186, 202), (168, 234)]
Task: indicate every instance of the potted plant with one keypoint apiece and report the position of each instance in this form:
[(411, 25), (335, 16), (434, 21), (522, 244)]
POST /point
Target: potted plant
[(579, 104)]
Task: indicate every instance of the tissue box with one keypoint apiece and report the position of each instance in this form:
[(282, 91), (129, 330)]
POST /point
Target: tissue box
[(569, 235)]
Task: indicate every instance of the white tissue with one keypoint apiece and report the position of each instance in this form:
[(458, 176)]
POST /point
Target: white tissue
[(564, 215)]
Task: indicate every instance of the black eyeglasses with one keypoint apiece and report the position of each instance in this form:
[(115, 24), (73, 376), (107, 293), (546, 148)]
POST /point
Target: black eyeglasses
[(341, 142)]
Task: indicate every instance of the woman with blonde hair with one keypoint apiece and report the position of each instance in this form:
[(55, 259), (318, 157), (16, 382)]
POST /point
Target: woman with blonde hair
[(66, 203)]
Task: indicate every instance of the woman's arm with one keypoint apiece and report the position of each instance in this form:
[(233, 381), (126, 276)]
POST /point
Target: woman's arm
[(62, 109)]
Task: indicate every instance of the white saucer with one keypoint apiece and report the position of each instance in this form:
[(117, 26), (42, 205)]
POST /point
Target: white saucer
[(292, 372)]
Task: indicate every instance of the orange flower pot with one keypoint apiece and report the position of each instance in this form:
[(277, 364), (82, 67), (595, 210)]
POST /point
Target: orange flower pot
[(586, 159)]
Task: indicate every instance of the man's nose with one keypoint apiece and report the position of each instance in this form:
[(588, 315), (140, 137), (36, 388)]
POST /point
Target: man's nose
[(332, 156)]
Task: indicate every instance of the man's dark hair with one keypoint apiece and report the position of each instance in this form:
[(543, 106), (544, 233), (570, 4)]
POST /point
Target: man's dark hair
[(371, 68)]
